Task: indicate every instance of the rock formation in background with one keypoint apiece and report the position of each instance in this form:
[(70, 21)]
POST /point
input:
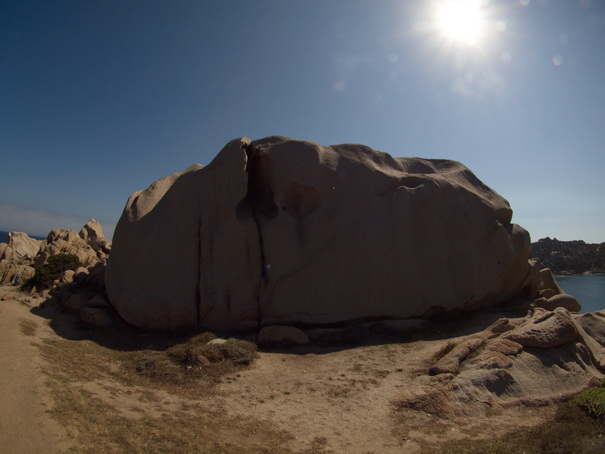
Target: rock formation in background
[(569, 257), (82, 290), (285, 232), (21, 254)]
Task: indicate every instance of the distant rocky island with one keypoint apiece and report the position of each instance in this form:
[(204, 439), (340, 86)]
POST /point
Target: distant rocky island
[(569, 257)]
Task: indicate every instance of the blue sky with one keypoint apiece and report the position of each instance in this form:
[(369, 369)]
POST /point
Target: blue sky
[(100, 98)]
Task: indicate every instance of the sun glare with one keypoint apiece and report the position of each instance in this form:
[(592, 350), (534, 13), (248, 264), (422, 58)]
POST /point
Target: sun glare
[(461, 21)]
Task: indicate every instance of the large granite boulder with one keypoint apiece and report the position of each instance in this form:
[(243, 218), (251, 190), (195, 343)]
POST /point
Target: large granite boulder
[(285, 232)]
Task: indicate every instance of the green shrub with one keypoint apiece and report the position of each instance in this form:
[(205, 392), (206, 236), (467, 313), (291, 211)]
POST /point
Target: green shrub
[(592, 400), (46, 274)]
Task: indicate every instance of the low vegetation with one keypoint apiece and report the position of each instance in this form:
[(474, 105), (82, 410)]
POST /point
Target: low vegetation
[(106, 381), (197, 359), (46, 274), (593, 400), (122, 390)]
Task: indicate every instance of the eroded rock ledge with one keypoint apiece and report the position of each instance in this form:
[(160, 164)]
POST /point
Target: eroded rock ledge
[(285, 232)]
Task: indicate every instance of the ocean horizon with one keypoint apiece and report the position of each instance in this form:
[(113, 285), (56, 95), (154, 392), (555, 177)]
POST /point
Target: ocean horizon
[(588, 289)]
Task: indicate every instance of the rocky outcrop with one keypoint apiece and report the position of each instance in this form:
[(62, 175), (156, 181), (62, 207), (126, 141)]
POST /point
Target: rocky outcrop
[(544, 357), (21, 254), (19, 247), (569, 257), (285, 232), (82, 290), (551, 296)]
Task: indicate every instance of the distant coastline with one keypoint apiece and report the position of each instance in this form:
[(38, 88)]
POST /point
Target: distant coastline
[(568, 258)]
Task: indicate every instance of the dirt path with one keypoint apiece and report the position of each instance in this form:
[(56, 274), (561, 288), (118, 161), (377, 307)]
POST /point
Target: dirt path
[(25, 426)]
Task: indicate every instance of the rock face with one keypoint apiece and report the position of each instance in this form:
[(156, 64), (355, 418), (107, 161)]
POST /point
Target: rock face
[(285, 232), (544, 357), (19, 246)]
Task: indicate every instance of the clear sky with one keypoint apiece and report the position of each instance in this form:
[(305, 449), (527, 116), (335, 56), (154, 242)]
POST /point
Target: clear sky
[(99, 98)]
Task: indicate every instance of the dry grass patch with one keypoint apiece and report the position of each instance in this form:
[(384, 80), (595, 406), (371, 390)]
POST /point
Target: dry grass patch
[(163, 382), (28, 327)]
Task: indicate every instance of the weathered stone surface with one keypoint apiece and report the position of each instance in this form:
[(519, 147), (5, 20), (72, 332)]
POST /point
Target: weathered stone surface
[(20, 247), (547, 293), (548, 357), (563, 300), (594, 325), (284, 232), (14, 272), (546, 330), (80, 274), (549, 282), (450, 363), (92, 231)]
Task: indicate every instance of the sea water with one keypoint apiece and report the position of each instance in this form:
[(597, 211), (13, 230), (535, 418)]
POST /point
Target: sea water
[(588, 289)]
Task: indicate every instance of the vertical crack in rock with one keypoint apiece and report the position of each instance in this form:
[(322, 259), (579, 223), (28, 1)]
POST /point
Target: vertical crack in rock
[(258, 204)]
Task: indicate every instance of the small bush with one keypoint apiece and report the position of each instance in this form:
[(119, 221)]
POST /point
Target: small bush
[(592, 401), (46, 274), (188, 352), (196, 359), (235, 351)]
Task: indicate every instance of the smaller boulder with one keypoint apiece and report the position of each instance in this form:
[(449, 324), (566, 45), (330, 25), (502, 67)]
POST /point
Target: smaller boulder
[(42, 257), (23, 246), (81, 274), (98, 301), (217, 341), (67, 277), (562, 300), (92, 231), (547, 293), (95, 317), (279, 335), (549, 281), (75, 302), (547, 330)]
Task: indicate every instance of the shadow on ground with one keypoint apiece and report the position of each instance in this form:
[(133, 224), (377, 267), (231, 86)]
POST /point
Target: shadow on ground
[(124, 337)]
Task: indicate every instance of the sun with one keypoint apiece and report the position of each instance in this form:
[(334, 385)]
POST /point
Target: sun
[(461, 21)]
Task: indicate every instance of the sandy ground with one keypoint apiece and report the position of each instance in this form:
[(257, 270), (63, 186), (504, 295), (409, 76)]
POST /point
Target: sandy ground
[(338, 400), (342, 401), (25, 426)]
